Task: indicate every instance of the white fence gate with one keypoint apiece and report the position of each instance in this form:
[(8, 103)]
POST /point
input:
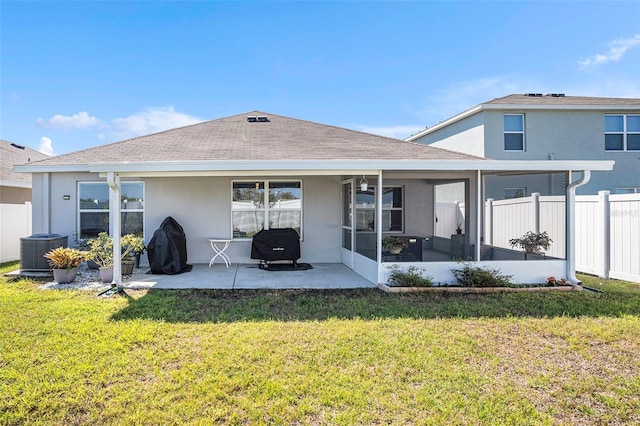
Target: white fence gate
[(15, 222)]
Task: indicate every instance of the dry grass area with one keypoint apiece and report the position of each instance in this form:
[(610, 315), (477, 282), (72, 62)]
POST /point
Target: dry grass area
[(319, 357)]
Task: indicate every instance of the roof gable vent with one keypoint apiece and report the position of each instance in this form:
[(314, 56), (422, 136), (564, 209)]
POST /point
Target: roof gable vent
[(258, 119)]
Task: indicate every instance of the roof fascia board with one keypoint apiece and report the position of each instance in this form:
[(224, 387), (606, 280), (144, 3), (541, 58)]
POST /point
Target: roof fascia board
[(11, 184), (332, 167), (561, 107), (46, 168)]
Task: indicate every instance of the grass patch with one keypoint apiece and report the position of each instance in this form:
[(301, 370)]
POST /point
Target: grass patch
[(319, 357)]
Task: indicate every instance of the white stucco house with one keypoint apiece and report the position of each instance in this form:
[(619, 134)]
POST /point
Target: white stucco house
[(234, 176), (555, 127)]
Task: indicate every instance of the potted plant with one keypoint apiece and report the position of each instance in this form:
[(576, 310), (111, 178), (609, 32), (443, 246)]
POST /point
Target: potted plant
[(394, 244), (82, 244), (102, 252), (131, 246), (532, 242), (64, 262)]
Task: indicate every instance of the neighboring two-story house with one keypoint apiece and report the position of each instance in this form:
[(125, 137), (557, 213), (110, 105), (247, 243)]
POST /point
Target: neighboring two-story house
[(15, 188), (550, 127)]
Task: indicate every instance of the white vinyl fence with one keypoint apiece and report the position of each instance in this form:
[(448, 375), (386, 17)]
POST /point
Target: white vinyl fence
[(607, 228), (512, 218), (608, 235), (448, 217), (15, 222)]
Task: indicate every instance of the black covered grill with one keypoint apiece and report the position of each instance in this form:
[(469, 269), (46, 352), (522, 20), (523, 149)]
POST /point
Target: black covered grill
[(167, 249), (276, 244)]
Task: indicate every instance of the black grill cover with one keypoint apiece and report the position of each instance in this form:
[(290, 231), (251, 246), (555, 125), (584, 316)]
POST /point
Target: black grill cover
[(276, 244), (167, 249)]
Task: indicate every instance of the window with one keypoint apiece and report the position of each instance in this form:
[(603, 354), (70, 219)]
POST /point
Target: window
[(265, 205), (622, 132), (93, 208), (630, 190), (514, 132), (514, 193), (392, 209)]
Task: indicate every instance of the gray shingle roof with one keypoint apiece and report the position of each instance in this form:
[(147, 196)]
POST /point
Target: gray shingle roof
[(234, 138), (12, 154), (547, 99)]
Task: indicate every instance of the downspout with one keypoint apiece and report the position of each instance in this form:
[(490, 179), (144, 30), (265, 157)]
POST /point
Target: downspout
[(113, 180), (571, 225), (379, 221), (479, 206)]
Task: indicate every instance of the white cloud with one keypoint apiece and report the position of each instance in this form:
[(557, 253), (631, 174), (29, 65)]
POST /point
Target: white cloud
[(398, 132), (81, 120), (150, 120), (617, 49), (45, 146)]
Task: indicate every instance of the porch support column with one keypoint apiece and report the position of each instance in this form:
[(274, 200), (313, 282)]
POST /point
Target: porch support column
[(571, 224), (113, 179), (379, 219), (479, 206)]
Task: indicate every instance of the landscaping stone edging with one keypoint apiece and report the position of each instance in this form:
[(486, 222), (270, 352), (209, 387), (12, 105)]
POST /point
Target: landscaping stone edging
[(451, 289)]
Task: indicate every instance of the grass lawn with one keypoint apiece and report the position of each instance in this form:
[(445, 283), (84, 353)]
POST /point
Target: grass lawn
[(319, 357)]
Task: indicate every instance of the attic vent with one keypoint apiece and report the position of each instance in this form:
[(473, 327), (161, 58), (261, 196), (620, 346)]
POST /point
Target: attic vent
[(534, 95), (15, 145), (555, 95), (260, 119)]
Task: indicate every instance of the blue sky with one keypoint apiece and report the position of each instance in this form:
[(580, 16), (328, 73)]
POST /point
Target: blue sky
[(80, 74)]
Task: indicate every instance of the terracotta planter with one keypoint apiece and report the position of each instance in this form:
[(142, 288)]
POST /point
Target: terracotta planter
[(64, 276), (106, 274)]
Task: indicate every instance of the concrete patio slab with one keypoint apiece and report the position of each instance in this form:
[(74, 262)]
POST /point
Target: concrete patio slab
[(249, 276)]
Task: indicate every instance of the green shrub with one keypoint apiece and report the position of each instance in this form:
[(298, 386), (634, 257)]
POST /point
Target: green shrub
[(412, 277), (471, 276)]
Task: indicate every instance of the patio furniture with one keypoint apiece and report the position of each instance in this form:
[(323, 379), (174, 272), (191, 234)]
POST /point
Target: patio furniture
[(220, 251)]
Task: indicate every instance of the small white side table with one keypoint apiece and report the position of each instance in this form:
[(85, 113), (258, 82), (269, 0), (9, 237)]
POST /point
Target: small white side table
[(220, 251)]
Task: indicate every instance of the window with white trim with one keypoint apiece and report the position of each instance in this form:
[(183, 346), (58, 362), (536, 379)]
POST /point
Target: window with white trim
[(513, 132), (392, 209), (265, 204), (622, 132), (514, 193), (93, 208)]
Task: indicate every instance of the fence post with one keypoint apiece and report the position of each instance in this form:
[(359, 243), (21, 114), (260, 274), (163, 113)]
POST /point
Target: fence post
[(535, 204), (489, 222), (604, 231)]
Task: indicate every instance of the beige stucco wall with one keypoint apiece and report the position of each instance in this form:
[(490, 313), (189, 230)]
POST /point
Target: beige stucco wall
[(14, 195)]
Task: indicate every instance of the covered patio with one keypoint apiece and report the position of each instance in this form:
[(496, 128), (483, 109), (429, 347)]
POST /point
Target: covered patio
[(246, 276)]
